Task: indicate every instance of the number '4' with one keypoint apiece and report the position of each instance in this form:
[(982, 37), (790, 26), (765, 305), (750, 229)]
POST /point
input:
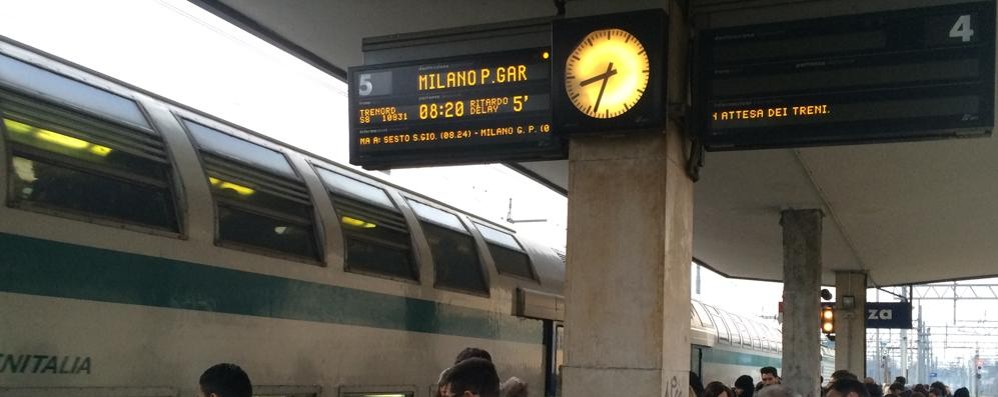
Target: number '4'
[(962, 29)]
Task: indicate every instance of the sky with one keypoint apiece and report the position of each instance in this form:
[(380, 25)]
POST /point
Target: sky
[(179, 51)]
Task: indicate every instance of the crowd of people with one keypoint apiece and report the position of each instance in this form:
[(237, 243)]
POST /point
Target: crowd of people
[(842, 384), (474, 375)]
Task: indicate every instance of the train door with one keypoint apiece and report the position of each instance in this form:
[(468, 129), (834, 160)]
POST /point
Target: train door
[(554, 356), (696, 360)]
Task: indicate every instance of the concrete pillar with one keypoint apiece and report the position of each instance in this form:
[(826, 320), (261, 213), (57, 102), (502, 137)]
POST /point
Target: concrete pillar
[(801, 300), (627, 288), (850, 323)]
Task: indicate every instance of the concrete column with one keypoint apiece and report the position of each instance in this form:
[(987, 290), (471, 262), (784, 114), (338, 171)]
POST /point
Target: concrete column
[(801, 300), (850, 324), (627, 288)]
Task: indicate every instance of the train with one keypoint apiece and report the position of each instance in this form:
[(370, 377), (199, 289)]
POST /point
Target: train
[(142, 241)]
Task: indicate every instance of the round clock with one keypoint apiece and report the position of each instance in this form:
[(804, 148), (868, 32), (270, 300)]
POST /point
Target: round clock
[(606, 73)]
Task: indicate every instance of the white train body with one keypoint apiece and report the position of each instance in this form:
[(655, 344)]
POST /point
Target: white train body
[(96, 303)]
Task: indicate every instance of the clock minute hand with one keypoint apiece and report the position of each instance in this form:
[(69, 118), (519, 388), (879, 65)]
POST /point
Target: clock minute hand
[(609, 69), (609, 72)]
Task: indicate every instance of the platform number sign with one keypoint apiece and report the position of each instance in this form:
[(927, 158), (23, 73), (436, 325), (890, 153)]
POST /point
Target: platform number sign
[(961, 29)]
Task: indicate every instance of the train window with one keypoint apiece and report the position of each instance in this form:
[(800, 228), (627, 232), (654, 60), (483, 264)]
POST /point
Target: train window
[(702, 313), (375, 233), (722, 327), (453, 249), (34, 80), (77, 166), (233, 148), (507, 253), (758, 336), (261, 205), (735, 333)]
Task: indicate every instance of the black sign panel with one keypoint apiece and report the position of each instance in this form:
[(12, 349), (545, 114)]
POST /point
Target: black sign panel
[(900, 75), (888, 315), (471, 109), (592, 55)]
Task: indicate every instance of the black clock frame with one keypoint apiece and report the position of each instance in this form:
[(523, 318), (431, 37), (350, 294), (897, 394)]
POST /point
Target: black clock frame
[(649, 27)]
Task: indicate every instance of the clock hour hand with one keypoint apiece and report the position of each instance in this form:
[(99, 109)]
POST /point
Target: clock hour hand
[(610, 71)]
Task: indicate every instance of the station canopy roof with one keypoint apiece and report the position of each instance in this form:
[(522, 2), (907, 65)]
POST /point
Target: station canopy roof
[(906, 212)]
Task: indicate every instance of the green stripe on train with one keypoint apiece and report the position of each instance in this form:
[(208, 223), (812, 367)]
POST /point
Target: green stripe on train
[(47, 268), (716, 356)]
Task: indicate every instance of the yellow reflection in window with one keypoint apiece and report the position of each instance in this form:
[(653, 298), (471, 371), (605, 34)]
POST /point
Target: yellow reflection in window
[(25, 169), (357, 222), (239, 189), (56, 138)]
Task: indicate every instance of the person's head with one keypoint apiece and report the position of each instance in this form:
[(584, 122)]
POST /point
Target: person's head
[(474, 377), (937, 392), (717, 389), (225, 380), (917, 394), (847, 387), (758, 386), (744, 386), (901, 380), (472, 352), (961, 392), (843, 374), (513, 387), (769, 376), (896, 388), (920, 388), (777, 391), (874, 389)]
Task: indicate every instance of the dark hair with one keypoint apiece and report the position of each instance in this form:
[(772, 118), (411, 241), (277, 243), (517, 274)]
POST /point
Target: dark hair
[(715, 389), (476, 375), (901, 380), (225, 380), (874, 389), (844, 374), (899, 387), (769, 370), (745, 383), (844, 386), (920, 388), (472, 352), (758, 386), (696, 385), (961, 392)]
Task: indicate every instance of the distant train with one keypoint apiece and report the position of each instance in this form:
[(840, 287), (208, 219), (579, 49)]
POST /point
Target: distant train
[(142, 241)]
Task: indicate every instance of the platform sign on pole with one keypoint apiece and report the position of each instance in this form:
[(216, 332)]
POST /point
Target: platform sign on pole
[(468, 109), (922, 73)]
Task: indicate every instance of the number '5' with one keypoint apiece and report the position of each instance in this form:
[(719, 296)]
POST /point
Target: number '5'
[(365, 85)]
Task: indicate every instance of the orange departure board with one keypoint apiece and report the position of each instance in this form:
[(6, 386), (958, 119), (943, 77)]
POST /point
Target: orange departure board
[(470, 109)]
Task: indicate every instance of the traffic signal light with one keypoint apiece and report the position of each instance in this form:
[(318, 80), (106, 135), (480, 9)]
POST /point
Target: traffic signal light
[(827, 319)]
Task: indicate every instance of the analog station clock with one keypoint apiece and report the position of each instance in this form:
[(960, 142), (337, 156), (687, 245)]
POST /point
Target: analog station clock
[(607, 73)]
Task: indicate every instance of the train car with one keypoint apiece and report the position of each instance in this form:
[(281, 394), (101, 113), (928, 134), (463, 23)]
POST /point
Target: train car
[(142, 241), (727, 345)]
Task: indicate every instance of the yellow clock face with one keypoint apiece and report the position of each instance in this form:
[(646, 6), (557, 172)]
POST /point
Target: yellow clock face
[(607, 73)]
